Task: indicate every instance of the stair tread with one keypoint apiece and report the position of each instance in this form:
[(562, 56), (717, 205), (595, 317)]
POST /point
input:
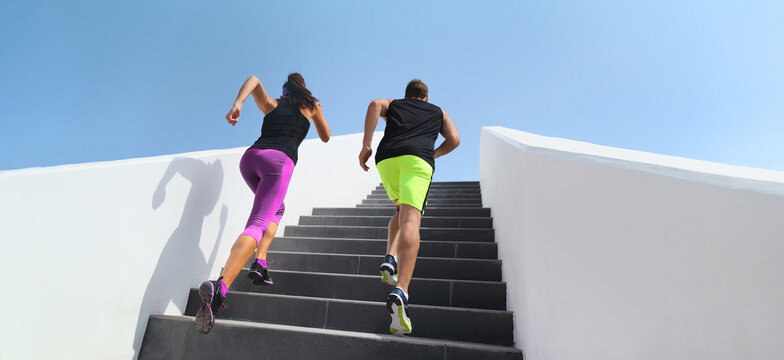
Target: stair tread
[(387, 217), (354, 334), (428, 248), (384, 227), (451, 208), (429, 200), (441, 206), (273, 271), (367, 302), (366, 315), (382, 240), (381, 256), (428, 208)]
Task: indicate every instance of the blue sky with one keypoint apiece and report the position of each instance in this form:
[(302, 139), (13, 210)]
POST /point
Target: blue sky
[(103, 80)]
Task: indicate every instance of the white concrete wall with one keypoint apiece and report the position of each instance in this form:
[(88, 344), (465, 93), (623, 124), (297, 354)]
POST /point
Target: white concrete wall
[(90, 250), (618, 254)]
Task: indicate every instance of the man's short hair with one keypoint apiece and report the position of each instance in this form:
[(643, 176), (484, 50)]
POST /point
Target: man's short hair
[(416, 89)]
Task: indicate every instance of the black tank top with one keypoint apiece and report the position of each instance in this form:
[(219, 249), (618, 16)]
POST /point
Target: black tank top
[(412, 129), (283, 129)]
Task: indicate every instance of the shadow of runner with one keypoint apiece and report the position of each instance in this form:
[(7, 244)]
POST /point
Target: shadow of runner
[(182, 259)]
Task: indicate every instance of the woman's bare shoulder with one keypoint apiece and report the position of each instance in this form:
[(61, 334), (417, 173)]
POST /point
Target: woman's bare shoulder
[(270, 105), (309, 112)]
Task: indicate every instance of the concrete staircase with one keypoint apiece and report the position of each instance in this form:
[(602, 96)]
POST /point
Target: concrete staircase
[(328, 301)]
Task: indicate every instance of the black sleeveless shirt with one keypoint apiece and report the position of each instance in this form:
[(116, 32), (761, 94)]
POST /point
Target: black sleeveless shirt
[(412, 129), (283, 129)]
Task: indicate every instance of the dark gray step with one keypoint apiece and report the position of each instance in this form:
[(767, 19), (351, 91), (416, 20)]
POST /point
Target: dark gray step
[(443, 190), (379, 232), (389, 205), (435, 322), (447, 183), (442, 185), (436, 189), (428, 221), (431, 195), (474, 189), (445, 249), (176, 338), (426, 267), (430, 202), (438, 292), (430, 211), (438, 193)]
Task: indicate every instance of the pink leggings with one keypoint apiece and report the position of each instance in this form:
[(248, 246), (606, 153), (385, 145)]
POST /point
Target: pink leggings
[(268, 173)]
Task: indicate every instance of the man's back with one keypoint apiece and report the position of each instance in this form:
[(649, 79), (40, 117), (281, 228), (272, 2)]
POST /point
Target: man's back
[(412, 129)]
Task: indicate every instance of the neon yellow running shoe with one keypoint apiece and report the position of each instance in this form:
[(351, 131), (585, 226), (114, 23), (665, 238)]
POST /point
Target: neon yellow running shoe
[(388, 270), (397, 305)]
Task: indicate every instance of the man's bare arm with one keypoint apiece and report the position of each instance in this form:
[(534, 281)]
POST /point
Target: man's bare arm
[(451, 137), (376, 109)]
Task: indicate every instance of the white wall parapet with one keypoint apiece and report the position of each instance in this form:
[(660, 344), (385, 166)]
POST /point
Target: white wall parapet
[(618, 254), (89, 251)]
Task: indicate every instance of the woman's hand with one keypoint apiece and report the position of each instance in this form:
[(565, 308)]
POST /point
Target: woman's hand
[(234, 115)]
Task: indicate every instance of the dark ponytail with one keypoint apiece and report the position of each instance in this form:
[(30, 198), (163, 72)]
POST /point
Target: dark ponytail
[(297, 93)]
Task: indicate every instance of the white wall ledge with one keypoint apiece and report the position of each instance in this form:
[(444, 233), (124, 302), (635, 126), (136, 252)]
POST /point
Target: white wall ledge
[(729, 176)]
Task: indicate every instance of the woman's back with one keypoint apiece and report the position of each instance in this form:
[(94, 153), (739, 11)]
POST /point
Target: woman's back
[(284, 128)]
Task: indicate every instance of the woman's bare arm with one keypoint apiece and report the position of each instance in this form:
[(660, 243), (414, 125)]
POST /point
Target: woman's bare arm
[(251, 86), (321, 123)]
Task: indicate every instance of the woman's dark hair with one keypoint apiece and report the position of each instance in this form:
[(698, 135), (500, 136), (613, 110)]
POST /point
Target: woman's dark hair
[(297, 93)]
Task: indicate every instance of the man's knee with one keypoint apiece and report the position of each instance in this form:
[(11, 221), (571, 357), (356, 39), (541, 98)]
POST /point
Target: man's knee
[(409, 223), (408, 240), (409, 214)]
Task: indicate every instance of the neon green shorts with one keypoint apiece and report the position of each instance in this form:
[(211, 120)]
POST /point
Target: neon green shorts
[(406, 179)]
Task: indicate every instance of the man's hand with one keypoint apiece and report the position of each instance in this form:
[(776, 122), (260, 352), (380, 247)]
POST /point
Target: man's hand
[(364, 155)]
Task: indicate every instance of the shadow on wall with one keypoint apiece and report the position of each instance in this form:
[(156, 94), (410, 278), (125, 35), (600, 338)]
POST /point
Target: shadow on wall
[(182, 259)]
